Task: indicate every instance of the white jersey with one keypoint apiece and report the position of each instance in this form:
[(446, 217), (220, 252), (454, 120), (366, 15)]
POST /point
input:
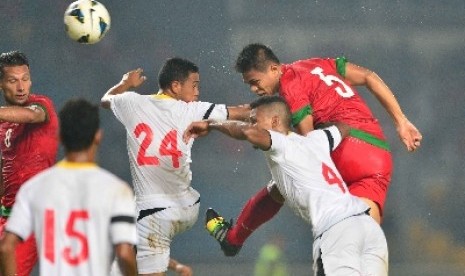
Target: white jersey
[(308, 179), (158, 157), (78, 212)]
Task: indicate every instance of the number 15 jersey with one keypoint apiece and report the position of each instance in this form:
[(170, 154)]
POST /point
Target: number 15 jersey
[(158, 157), (78, 213)]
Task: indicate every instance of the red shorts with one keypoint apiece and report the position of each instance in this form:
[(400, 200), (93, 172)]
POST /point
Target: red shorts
[(26, 253), (366, 169)]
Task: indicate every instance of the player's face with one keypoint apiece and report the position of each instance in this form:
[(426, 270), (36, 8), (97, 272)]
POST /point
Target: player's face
[(263, 82), (260, 119), (16, 84), (189, 90)]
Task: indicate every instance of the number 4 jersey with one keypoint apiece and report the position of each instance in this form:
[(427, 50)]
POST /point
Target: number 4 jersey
[(306, 176), (77, 212), (158, 157)]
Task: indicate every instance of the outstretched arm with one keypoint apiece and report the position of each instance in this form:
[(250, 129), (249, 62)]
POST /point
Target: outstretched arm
[(235, 129), (239, 112), (408, 133), (23, 114), (131, 79)]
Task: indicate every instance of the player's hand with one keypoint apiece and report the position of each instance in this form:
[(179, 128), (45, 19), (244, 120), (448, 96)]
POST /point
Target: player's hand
[(409, 135), (194, 130), (184, 270), (134, 78)]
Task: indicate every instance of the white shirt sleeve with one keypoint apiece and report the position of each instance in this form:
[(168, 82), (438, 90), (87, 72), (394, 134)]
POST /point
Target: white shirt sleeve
[(21, 221), (123, 227), (122, 103), (206, 110), (329, 138), (336, 136), (278, 143)]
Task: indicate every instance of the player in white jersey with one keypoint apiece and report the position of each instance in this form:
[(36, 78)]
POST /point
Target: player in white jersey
[(82, 215), (347, 240), (159, 161)]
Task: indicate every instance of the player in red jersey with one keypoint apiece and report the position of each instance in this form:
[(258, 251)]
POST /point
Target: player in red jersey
[(28, 141), (321, 91)]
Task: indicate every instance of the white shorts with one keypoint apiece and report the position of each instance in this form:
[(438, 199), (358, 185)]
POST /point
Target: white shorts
[(354, 246), (155, 233)]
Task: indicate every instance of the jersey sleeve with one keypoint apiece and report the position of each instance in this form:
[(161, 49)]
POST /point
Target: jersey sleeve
[(329, 137), (341, 65), (21, 221), (292, 91), (43, 103), (121, 103), (206, 111), (122, 222), (277, 142)]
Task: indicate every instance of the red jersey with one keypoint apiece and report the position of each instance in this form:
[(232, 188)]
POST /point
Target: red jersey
[(27, 149), (316, 87)]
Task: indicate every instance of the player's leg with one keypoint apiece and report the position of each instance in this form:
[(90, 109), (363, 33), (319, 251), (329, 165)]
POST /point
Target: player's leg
[(375, 253), (367, 170), (156, 232), (259, 209), (341, 247)]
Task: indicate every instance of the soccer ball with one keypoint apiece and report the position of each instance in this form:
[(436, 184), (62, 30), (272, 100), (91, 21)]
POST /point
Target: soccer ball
[(86, 21)]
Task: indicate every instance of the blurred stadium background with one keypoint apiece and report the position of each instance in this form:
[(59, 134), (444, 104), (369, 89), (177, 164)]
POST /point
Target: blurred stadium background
[(417, 47)]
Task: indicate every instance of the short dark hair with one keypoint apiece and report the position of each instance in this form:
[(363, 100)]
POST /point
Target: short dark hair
[(12, 58), (175, 69), (274, 101), (255, 56), (79, 122)]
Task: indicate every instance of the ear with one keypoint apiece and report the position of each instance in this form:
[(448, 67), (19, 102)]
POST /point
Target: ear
[(98, 136), (275, 69), (275, 122), (175, 87)]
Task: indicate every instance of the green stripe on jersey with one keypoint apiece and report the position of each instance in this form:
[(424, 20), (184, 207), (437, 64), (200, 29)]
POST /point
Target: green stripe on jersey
[(341, 65), (5, 211), (300, 114), (370, 139)]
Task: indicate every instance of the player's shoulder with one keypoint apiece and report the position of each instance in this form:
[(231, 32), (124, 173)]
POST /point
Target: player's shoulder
[(129, 95), (110, 178), (312, 62), (34, 185), (40, 99), (44, 102)]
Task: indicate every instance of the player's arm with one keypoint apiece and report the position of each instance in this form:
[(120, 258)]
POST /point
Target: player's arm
[(131, 79), (408, 133), (305, 125), (126, 257), (23, 114), (240, 112), (7, 253), (179, 268), (235, 129), (343, 128)]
